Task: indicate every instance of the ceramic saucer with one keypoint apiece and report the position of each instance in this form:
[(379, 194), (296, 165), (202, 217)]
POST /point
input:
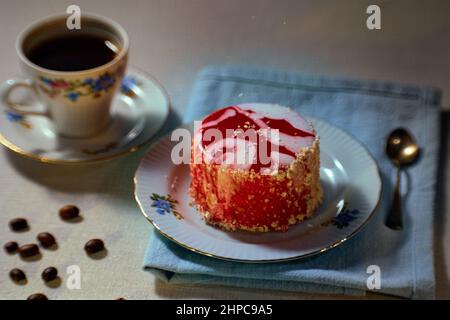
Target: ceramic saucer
[(138, 111)]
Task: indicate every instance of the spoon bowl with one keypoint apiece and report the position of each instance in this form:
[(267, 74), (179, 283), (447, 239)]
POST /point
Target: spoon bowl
[(401, 147)]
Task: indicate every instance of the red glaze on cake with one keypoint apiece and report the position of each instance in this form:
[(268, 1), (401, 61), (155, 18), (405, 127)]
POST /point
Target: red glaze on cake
[(244, 186)]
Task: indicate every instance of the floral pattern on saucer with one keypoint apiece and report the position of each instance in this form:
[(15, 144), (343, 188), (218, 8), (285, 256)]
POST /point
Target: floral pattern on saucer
[(344, 218), (129, 83), (165, 204), (17, 118)]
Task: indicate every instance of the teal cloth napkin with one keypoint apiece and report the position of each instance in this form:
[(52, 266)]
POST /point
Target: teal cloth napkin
[(368, 110)]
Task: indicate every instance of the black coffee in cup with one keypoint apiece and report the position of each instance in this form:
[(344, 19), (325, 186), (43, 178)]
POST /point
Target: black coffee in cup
[(73, 53), (74, 73)]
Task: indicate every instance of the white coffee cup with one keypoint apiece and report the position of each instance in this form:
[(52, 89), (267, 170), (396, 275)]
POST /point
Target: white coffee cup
[(77, 102)]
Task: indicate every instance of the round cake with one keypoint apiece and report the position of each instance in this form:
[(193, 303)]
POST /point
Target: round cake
[(255, 167)]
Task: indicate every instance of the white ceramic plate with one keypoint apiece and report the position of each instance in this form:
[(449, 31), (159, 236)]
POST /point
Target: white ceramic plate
[(352, 188), (138, 112)]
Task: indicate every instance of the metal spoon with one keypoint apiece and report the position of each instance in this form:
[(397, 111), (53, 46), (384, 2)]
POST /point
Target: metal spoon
[(403, 150)]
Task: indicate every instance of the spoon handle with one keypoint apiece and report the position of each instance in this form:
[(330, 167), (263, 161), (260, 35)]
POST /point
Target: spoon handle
[(394, 219)]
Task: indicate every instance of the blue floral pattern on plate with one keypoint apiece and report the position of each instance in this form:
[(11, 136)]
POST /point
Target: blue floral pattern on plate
[(165, 204), (344, 218)]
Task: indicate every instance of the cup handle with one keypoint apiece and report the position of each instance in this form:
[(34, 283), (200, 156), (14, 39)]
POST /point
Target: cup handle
[(13, 84)]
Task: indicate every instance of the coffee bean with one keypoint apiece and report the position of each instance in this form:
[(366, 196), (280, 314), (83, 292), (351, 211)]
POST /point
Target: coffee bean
[(17, 275), (11, 247), (37, 296), (28, 250), (49, 274), (121, 298), (46, 239), (69, 212), (94, 245), (18, 224)]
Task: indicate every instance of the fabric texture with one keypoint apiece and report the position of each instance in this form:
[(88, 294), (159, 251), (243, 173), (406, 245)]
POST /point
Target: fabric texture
[(368, 110)]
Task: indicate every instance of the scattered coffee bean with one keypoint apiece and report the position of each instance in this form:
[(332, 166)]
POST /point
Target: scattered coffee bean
[(69, 212), (28, 250), (11, 247), (17, 275), (94, 246), (121, 298), (46, 239), (49, 274), (18, 224), (37, 296)]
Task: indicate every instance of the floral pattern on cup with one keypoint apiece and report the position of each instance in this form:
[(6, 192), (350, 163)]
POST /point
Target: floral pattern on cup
[(72, 90)]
